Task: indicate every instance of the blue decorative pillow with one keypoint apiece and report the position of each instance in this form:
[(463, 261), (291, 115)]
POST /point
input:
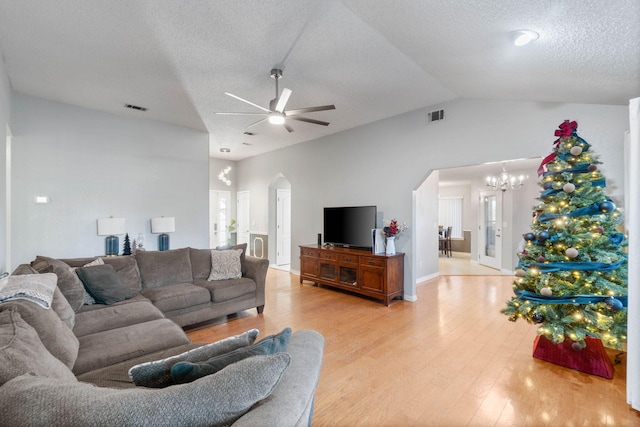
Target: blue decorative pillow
[(186, 372)]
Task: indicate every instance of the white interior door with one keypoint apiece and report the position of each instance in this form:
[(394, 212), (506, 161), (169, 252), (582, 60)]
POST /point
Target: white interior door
[(219, 217), (490, 229), (244, 217), (283, 225)]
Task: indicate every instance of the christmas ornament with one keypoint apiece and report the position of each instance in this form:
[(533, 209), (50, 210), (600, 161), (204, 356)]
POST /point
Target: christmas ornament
[(546, 292), (576, 150), (569, 188), (607, 206), (548, 185), (528, 236), (599, 229), (543, 236), (520, 272), (571, 252), (592, 168), (541, 259), (614, 304), (537, 318), (576, 346)]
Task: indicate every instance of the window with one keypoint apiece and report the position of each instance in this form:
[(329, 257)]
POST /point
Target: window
[(450, 215)]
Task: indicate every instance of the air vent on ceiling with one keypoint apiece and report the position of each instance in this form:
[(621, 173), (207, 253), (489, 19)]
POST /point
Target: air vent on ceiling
[(135, 107), (435, 116)]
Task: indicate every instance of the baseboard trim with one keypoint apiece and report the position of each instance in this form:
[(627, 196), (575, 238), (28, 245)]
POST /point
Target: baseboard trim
[(425, 278)]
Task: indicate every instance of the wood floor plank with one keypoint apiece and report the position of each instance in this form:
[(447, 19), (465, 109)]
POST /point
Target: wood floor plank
[(449, 359)]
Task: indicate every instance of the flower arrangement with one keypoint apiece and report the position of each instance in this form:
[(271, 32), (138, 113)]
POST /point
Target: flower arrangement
[(394, 229)]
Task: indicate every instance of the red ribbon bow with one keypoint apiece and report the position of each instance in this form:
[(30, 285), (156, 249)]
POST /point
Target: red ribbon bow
[(567, 128)]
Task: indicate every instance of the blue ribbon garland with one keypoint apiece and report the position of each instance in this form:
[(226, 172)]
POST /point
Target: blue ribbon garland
[(602, 183), (568, 299), (593, 209), (550, 267), (575, 169)]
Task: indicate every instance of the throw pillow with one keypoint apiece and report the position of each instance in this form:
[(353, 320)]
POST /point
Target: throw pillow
[(157, 374), (225, 265), (186, 372), (21, 351), (243, 246), (68, 282), (104, 284), (216, 400), (88, 299)]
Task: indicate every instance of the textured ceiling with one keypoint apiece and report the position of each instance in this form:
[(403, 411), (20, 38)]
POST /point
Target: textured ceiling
[(372, 59)]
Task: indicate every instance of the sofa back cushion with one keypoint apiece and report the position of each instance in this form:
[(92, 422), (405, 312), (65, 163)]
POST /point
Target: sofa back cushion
[(125, 266), (68, 281), (21, 351), (160, 268), (56, 337)]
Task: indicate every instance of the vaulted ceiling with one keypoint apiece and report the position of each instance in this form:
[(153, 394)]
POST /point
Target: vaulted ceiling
[(371, 59)]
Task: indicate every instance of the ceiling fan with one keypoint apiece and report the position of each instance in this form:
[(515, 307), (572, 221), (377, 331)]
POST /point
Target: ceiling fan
[(276, 113)]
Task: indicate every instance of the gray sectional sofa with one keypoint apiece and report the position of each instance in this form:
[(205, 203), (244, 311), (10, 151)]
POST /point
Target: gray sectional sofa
[(69, 365)]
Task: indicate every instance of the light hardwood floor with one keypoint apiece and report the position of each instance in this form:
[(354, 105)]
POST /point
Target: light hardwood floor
[(449, 359)]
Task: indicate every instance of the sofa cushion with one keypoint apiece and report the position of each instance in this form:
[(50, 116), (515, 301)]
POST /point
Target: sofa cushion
[(216, 400), (175, 297), (225, 264), (160, 268), (21, 351), (37, 288), (186, 372), (101, 317), (104, 284), (56, 337), (157, 373), (224, 290), (68, 281), (59, 304), (116, 345)]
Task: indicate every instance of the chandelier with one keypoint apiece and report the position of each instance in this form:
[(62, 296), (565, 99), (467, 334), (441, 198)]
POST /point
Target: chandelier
[(505, 181)]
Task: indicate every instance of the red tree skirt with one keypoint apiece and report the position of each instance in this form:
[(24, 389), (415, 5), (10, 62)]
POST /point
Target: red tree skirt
[(592, 359)]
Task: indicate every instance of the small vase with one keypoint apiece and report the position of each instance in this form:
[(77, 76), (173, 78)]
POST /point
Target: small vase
[(390, 246)]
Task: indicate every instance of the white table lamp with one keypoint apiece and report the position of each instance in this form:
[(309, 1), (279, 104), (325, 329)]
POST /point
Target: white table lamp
[(111, 227), (163, 225)]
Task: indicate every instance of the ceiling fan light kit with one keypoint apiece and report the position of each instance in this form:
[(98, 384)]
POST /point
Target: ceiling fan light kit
[(524, 37), (276, 113)]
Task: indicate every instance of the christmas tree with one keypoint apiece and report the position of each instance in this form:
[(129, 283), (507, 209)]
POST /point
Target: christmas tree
[(126, 248), (572, 271)]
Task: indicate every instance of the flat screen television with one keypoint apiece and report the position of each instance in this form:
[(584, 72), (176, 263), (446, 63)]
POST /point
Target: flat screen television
[(349, 226)]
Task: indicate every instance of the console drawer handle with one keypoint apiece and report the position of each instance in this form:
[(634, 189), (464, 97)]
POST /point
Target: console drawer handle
[(372, 263), (347, 259)]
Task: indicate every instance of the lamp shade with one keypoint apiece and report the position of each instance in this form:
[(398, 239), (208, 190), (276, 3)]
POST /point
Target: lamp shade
[(165, 224), (111, 226)]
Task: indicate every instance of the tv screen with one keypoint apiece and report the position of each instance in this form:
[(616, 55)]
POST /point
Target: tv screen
[(349, 226)]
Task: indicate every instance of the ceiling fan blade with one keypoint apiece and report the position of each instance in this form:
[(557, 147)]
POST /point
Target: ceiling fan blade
[(288, 128), (282, 101), (257, 123), (241, 114), (310, 109), (305, 119), (247, 102)]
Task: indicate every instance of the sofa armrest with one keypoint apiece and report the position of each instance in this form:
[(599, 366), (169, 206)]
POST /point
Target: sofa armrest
[(257, 270)]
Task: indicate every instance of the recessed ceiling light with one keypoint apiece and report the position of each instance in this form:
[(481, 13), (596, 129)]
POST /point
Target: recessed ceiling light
[(524, 37), (225, 150), (246, 143)]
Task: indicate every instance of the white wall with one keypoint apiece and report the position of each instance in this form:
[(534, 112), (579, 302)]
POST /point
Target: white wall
[(92, 165), (5, 121), (382, 163)]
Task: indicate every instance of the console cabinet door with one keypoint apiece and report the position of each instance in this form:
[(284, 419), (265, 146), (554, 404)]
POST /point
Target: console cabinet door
[(309, 266), (372, 279)]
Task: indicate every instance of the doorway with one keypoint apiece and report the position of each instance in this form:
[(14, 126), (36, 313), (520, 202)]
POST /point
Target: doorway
[(490, 229), (219, 218), (283, 227), (244, 216)]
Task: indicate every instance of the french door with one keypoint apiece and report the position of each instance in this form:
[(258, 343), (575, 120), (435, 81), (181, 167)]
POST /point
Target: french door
[(490, 229)]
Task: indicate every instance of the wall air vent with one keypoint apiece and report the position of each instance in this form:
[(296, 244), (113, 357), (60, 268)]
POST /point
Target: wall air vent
[(135, 107), (435, 116)]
